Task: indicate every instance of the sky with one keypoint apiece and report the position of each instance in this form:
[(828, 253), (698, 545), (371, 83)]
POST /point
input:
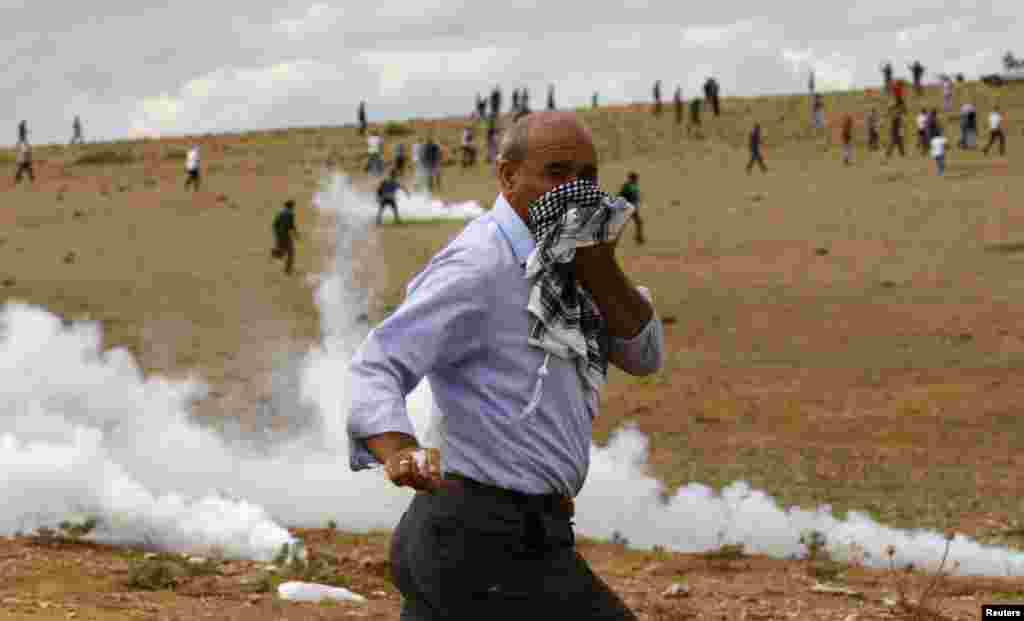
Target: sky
[(135, 68)]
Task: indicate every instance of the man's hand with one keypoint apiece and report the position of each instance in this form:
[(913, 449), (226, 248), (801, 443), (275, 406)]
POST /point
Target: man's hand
[(624, 309), (417, 468)]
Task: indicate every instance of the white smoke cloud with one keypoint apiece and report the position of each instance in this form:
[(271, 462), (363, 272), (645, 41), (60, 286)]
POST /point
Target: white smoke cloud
[(84, 433)]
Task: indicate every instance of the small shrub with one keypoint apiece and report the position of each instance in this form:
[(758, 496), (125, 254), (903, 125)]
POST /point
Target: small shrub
[(397, 128), (77, 530), (106, 157), (154, 574), (619, 539), (332, 525), (726, 552), (815, 542)]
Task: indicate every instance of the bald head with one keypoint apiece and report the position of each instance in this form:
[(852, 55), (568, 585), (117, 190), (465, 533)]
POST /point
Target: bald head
[(542, 151), (550, 124)]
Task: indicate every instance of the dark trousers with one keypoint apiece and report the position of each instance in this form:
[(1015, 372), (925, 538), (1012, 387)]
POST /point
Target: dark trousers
[(383, 204), (873, 139), (284, 248), (993, 137), (192, 179), (755, 157), (24, 169), (639, 235), (896, 142), (470, 554)]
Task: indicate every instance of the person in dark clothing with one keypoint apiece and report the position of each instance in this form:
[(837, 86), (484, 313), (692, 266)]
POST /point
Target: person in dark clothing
[(755, 150), (496, 102), (631, 192), (515, 100), (694, 126), (432, 161), (873, 130), (917, 71), (677, 102), (23, 131), (887, 77), (711, 95), (386, 197), (896, 136), (284, 236), (657, 97), (362, 118), (933, 124), (551, 97), (468, 148), (593, 100), (76, 132), (399, 165)]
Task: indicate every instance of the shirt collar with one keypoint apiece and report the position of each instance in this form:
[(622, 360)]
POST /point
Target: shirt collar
[(514, 229)]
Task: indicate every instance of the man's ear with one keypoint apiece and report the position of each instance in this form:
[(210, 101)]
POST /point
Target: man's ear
[(507, 175)]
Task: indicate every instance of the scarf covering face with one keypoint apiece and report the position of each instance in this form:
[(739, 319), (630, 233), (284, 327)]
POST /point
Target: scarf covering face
[(566, 320)]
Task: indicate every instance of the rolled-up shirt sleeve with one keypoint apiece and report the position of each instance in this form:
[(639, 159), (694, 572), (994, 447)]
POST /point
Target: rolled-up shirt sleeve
[(439, 323), (642, 354)]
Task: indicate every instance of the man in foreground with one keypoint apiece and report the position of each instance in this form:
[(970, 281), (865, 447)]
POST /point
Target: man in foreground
[(513, 323)]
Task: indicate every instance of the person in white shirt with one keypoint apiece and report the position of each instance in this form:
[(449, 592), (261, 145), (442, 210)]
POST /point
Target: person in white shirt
[(995, 125), (417, 163), (939, 152), (192, 168), (922, 131), (375, 164), (23, 161)]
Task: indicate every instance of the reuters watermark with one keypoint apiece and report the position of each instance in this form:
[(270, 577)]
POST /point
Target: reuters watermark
[(1002, 611)]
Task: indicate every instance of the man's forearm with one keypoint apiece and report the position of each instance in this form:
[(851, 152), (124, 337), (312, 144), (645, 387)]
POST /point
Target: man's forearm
[(385, 445), (624, 308)]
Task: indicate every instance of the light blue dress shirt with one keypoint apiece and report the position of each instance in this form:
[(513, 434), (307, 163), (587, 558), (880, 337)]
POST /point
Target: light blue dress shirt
[(464, 326)]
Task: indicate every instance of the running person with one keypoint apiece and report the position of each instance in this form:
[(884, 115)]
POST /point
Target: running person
[(631, 192)]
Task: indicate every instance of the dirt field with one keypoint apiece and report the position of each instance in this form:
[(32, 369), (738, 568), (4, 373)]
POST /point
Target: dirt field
[(842, 335)]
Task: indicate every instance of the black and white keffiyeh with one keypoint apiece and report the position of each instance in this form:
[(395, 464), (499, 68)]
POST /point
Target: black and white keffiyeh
[(566, 321)]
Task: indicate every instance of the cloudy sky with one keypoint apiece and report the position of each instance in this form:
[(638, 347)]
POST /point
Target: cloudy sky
[(139, 67)]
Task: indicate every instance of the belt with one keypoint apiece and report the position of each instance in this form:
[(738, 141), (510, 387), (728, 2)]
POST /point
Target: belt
[(542, 503)]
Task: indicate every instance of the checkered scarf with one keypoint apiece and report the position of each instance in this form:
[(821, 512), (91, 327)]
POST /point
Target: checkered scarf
[(566, 320)]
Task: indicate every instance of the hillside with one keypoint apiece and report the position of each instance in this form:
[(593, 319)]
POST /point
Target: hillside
[(842, 335)]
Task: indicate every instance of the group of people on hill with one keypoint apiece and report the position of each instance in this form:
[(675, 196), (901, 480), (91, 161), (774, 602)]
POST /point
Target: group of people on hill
[(931, 139)]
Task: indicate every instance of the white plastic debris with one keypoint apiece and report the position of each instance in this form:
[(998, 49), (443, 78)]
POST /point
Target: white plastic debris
[(835, 590), (312, 592), (677, 589)]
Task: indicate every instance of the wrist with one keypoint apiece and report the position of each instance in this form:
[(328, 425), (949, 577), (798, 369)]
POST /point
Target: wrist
[(387, 445)]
